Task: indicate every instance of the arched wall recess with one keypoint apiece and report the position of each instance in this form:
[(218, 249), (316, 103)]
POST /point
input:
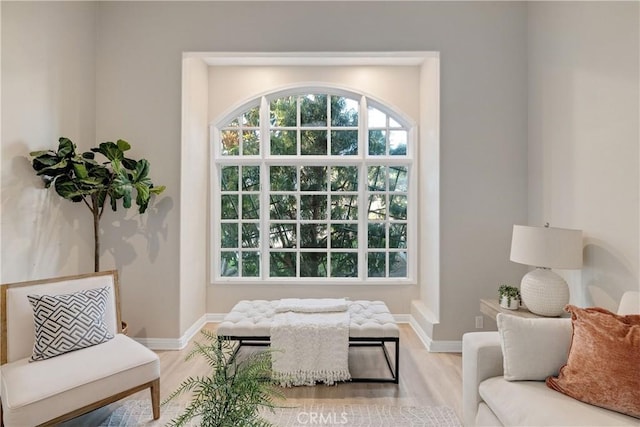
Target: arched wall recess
[(418, 301)]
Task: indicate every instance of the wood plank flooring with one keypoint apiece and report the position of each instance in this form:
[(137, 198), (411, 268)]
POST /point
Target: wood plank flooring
[(426, 379)]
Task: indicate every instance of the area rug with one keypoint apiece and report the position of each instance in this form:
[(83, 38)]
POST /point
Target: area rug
[(138, 413)]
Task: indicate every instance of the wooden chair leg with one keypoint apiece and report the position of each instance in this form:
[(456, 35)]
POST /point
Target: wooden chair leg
[(155, 398)]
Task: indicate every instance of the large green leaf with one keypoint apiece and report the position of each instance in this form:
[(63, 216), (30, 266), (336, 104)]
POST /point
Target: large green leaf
[(110, 150), (123, 145), (41, 153), (80, 169), (157, 190), (44, 160), (66, 148), (66, 188), (56, 169), (94, 182), (141, 170), (129, 163), (126, 199), (99, 171), (113, 201), (142, 197)]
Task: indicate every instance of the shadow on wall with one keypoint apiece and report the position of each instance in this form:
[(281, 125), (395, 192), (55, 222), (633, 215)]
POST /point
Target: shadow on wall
[(606, 275), (121, 227), (41, 231)]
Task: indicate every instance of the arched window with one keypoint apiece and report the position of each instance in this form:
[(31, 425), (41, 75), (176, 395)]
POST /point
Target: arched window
[(315, 185)]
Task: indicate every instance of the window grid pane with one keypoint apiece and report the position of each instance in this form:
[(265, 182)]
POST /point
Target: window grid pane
[(387, 199), (241, 136), (312, 214), (386, 135)]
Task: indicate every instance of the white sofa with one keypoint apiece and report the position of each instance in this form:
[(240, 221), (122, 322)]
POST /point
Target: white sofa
[(488, 399)]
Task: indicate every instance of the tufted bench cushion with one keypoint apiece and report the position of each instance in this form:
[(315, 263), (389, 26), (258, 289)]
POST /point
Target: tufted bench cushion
[(371, 325), (369, 319)]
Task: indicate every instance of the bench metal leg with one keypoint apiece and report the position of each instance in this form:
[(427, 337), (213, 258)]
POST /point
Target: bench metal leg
[(380, 342), (394, 368)]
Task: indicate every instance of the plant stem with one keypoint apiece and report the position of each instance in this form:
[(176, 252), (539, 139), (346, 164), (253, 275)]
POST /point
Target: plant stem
[(96, 232)]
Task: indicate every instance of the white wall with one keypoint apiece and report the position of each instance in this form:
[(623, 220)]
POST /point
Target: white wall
[(138, 60), (584, 137), (194, 201), (48, 91), (396, 86)]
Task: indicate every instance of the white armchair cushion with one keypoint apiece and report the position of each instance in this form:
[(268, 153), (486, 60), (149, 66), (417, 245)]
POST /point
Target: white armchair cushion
[(68, 322), (33, 393), (533, 349)]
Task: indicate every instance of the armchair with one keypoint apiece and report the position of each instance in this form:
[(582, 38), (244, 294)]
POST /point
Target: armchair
[(56, 389)]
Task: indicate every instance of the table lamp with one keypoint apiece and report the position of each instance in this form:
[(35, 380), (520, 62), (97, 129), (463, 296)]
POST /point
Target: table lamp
[(543, 291)]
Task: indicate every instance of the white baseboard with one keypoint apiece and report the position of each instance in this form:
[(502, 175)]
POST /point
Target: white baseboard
[(174, 343), (180, 343), (215, 317), (161, 343), (435, 346), (402, 318), (439, 346)]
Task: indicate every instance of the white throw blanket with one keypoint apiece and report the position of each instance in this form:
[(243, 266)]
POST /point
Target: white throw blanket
[(310, 348), (312, 305)]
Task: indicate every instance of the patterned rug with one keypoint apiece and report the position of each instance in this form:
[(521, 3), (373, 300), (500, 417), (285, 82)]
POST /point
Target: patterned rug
[(138, 413)]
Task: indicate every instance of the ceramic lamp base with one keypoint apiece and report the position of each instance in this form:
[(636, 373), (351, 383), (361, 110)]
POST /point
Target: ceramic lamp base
[(544, 292)]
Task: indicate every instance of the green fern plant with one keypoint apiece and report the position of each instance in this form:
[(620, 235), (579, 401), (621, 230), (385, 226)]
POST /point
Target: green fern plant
[(233, 392), (509, 292)]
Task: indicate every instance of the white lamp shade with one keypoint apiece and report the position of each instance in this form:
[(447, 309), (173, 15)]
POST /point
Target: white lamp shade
[(547, 247)]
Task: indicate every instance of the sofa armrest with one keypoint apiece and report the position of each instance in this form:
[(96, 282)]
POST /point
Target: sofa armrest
[(481, 359)]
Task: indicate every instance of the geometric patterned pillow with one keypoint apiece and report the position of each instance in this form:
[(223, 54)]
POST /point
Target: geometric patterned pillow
[(65, 323)]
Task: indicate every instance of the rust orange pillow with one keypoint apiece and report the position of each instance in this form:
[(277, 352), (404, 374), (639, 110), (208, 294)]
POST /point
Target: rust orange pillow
[(603, 367)]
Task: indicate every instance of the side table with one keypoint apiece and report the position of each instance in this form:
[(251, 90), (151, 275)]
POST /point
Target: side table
[(491, 308)]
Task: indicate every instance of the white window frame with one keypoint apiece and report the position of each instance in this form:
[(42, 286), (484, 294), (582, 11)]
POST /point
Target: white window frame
[(362, 160)]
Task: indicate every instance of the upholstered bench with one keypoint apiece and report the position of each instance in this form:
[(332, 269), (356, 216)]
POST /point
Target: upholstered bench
[(371, 325)]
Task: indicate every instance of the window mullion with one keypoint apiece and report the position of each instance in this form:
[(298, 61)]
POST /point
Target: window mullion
[(298, 125), (298, 204), (363, 137), (329, 149), (363, 129), (265, 187), (214, 204)]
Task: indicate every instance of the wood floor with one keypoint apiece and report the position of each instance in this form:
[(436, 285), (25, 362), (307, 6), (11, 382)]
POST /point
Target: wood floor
[(426, 379)]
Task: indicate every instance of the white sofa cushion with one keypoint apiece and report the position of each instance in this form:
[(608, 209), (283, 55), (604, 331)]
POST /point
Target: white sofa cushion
[(532, 403), (533, 349), (485, 417), (73, 380)]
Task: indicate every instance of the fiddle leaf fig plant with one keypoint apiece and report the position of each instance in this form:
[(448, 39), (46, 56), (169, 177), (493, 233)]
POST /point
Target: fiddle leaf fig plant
[(81, 178)]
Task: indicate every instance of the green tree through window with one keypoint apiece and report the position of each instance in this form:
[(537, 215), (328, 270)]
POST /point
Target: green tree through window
[(309, 195)]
